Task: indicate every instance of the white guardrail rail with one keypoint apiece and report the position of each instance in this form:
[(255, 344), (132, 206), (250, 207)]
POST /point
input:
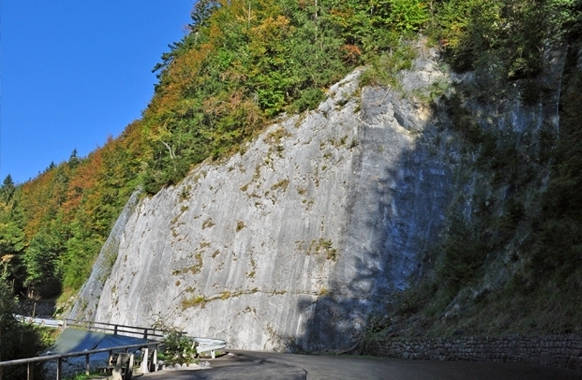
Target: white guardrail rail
[(209, 345), (46, 322)]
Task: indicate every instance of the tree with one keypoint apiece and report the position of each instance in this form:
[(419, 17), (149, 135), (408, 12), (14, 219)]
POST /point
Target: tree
[(74, 159), (7, 190), (8, 323), (12, 238), (202, 11), (17, 340), (42, 265)]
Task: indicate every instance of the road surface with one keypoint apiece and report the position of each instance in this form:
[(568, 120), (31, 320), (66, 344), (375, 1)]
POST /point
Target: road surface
[(247, 365)]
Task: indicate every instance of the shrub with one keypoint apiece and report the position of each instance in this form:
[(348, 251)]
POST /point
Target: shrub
[(178, 348)]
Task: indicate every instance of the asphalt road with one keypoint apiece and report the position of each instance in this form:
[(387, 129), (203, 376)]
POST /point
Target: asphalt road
[(247, 365)]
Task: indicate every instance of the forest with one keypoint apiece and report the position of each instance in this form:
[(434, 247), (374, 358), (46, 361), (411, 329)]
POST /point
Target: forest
[(246, 62)]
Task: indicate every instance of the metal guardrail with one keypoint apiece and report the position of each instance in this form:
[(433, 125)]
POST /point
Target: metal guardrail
[(203, 344), (116, 329), (209, 345), (60, 357), (46, 322)]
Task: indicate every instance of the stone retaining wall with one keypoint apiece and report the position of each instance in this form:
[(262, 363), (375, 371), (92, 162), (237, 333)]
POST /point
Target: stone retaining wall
[(560, 351)]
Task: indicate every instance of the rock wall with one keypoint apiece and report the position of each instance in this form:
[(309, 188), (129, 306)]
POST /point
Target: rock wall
[(559, 351), (290, 244)]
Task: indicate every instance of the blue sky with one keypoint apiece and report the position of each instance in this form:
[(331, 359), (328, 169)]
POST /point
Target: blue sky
[(74, 72)]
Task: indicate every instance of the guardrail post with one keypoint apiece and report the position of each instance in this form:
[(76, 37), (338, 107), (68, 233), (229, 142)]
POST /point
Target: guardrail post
[(59, 368), (87, 365), (129, 370), (115, 330), (144, 367), (29, 371), (145, 333), (155, 358)]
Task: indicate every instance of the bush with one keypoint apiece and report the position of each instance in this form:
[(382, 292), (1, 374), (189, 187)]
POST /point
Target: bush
[(178, 348), (16, 340)]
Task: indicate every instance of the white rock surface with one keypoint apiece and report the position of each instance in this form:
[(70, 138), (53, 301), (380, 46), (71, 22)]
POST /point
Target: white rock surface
[(291, 244)]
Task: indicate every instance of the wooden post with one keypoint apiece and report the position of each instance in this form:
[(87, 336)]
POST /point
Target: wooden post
[(144, 367), (145, 333), (115, 330), (29, 371)]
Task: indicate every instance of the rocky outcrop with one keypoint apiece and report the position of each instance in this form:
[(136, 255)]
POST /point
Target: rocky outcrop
[(290, 244)]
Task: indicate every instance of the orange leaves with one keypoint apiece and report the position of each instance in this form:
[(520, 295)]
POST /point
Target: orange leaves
[(235, 105), (351, 54), (84, 179), (303, 4), (38, 201), (342, 17)]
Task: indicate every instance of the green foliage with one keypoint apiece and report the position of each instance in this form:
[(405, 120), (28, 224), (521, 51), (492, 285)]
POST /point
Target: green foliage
[(42, 265), (463, 253), (511, 247), (249, 62), (178, 349), (52, 227), (560, 231), (309, 98), (16, 340), (7, 190), (384, 68), (407, 15), (12, 241), (83, 376), (512, 30), (378, 25)]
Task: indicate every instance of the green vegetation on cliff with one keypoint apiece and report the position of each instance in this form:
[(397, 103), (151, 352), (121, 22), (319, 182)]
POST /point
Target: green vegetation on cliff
[(509, 259)]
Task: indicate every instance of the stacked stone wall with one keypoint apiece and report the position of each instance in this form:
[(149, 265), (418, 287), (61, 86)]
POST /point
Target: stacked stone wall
[(559, 351)]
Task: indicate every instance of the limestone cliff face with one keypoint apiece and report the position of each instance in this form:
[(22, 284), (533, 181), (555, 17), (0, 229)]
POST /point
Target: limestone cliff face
[(290, 244)]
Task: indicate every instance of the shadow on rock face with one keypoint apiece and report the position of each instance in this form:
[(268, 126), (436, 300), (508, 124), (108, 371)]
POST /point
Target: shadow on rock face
[(397, 209)]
